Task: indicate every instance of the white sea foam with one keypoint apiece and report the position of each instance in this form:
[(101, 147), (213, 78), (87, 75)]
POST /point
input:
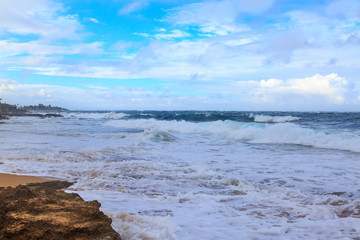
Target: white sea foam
[(272, 119), (137, 227), (185, 180), (95, 115), (285, 133)]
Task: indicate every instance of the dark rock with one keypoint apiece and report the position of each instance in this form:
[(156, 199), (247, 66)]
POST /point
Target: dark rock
[(52, 184), (3, 117), (48, 115), (337, 193), (238, 192), (42, 211)]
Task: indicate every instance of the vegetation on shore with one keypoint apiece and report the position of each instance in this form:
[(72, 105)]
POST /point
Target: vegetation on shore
[(41, 107), (16, 110)]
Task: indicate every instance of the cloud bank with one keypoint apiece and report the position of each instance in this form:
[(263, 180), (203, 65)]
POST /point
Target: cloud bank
[(232, 54), (315, 91)]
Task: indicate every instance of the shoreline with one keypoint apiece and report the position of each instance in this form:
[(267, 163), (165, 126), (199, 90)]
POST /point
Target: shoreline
[(13, 180)]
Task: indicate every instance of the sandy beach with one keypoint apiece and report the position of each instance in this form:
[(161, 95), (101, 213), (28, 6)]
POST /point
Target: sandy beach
[(12, 180)]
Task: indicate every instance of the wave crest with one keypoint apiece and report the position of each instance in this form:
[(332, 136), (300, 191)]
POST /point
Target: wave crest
[(278, 133), (95, 115), (272, 119)]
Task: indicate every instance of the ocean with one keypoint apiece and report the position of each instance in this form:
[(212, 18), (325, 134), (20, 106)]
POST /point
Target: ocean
[(201, 174)]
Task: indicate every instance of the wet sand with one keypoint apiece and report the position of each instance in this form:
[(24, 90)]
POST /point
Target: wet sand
[(12, 180)]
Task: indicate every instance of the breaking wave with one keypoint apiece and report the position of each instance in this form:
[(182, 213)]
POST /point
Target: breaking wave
[(279, 133), (95, 115), (273, 119)]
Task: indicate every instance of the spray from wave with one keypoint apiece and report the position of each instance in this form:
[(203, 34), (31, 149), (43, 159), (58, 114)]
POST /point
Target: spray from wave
[(95, 115), (272, 119)]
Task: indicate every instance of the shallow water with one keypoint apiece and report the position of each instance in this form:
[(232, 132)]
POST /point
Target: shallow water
[(202, 175)]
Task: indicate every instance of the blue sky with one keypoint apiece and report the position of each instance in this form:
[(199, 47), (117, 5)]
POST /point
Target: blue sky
[(181, 55)]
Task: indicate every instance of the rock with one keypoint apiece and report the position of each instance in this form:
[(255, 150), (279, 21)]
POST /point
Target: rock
[(238, 192), (48, 115), (3, 117), (51, 184), (43, 211), (337, 193)]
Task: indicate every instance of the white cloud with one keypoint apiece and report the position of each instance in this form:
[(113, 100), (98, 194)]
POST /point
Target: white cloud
[(38, 48), (41, 33), (134, 6), (317, 92), (331, 86), (124, 49), (146, 35), (176, 33), (96, 97), (40, 17), (217, 17), (221, 11), (344, 9), (164, 35), (271, 83), (281, 47), (233, 42), (223, 30), (308, 42), (94, 20)]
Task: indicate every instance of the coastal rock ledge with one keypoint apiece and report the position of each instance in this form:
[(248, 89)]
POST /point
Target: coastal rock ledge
[(44, 211)]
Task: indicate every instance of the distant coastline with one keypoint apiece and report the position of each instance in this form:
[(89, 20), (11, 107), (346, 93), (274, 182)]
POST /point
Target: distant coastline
[(9, 110)]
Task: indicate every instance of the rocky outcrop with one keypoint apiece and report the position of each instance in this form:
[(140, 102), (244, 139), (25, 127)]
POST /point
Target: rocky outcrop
[(3, 117), (48, 115), (44, 211)]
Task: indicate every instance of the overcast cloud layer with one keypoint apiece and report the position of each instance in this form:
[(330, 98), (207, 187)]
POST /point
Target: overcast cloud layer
[(159, 54)]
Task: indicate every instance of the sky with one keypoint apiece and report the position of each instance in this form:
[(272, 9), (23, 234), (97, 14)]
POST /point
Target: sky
[(241, 55)]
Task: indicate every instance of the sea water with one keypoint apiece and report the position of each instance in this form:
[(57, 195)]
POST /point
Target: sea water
[(201, 175)]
